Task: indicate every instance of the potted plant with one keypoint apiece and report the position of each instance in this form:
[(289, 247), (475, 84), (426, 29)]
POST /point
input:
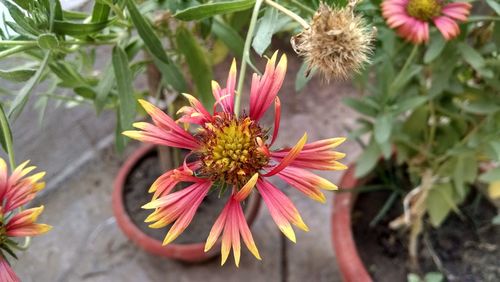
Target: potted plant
[(61, 46), (424, 187)]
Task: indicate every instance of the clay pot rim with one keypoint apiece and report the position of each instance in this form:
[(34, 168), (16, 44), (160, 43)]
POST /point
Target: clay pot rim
[(193, 252), (350, 264)]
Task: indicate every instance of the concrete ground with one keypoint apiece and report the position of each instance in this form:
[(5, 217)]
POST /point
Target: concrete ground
[(87, 245)]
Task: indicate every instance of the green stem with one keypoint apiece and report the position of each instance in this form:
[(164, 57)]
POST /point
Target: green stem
[(303, 7), (14, 50), (289, 13), (31, 43), (7, 135), (246, 55)]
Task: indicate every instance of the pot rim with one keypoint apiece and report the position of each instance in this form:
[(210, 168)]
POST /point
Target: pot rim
[(350, 264), (193, 252)]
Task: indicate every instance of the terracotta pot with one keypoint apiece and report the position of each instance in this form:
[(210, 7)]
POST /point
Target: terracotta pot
[(350, 264), (184, 252)]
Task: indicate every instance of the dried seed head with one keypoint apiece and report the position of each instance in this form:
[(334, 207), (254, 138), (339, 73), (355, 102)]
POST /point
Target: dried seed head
[(337, 43)]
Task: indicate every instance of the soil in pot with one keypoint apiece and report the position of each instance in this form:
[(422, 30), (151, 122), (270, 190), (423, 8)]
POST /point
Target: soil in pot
[(468, 247), (136, 195)]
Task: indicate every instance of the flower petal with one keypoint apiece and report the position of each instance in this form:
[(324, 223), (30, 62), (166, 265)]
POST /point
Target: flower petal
[(290, 156), (246, 189)]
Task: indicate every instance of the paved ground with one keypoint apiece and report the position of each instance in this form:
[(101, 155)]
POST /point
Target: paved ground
[(86, 244)]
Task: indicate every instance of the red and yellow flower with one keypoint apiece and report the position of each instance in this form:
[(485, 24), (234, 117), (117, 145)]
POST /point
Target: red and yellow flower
[(234, 151), (17, 190)]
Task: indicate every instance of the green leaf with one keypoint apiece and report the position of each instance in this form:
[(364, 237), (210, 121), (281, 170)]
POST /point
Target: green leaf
[(410, 104), (120, 139), (6, 132), (494, 5), (465, 173), (17, 75), (367, 160), (302, 77), (70, 77), (480, 107), (23, 95), (471, 56), (211, 9), (85, 92), (268, 25), (412, 277), (199, 67), (438, 203), (48, 41), (229, 36), (20, 18), (104, 87), (383, 128), (100, 12), (435, 48), (404, 77), (362, 106), (78, 29), (496, 220), (171, 73), (434, 277), (490, 175), (127, 103)]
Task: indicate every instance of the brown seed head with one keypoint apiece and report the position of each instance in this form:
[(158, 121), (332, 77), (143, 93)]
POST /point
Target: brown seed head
[(338, 42)]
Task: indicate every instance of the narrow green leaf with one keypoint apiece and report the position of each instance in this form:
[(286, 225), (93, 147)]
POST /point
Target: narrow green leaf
[(361, 106), (78, 29), (471, 56), (434, 277), (302, 77), (367, 160), (435, 48), (383, 128), (494, 5), (104, 87), (404, 77), (127, 103), (70, 77), (200, 69), (100, 12), (5, 132), (20, 18), (23, 96), (410, 104), (120, 139), (229, 36), (268, 25), (211, 9), (17, 75), (171, 73), (85, 92)]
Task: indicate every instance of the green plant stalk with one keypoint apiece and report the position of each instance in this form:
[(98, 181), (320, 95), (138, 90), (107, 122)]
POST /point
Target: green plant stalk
[(19, 43), (15, 50), (289, 13), (303, 7), (246, 55)]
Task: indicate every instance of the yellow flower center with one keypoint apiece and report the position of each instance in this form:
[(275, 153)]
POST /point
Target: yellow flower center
[(424, 9), (230, 153)]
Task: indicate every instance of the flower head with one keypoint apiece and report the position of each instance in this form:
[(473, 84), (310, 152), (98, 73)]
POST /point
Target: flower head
[(234, 151), (338, 42), (411, 17), (17, 190)]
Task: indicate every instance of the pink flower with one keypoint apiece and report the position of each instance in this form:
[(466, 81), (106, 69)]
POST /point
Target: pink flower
[(6, 272), (17, 190), (411, 17), (234, 151)]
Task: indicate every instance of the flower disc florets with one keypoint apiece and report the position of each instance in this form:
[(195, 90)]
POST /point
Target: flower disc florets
[(230, 153), (424, 9)]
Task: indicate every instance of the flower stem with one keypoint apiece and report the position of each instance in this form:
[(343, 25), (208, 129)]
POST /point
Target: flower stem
[(303, 7), (289, 13), (14, 50), (398, 78), (246, 55)]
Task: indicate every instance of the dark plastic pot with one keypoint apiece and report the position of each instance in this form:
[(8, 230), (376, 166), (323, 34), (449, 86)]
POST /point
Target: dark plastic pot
[(350, 264), (183, 252)]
